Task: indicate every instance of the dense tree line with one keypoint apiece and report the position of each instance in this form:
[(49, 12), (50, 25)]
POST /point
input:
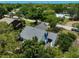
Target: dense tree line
[(6, 8)]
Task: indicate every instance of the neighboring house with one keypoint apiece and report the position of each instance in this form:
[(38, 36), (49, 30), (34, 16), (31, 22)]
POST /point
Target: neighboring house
[(30, 32), (14, 21), (17, 24), (7, 20), (62, 15), (43, 26)]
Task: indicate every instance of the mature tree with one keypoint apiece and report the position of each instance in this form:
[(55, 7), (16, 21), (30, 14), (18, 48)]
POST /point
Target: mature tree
[(72, 53), (65, 40), (3, 11), (58, 9), (34, 49), (52, 20)]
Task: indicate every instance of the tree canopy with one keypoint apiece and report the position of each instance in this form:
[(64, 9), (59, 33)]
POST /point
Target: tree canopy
[(65, 40)]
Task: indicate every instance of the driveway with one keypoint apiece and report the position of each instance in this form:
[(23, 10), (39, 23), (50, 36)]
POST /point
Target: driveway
[(76, 42), (71, 23)]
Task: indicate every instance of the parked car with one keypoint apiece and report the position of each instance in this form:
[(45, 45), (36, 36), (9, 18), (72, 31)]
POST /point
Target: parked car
[(75, 29)]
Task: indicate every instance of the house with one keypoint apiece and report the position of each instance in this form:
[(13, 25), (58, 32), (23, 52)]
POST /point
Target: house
[(7, 20), (17, 24), (29, 32), (43, 26), (14, 21), (62, 15)]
